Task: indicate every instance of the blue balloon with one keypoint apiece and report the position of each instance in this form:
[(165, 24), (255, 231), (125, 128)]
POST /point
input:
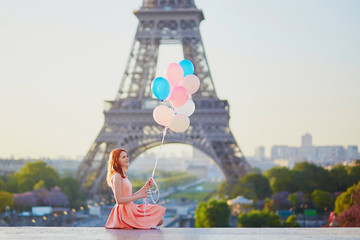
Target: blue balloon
[(187, 66), (160, 88)]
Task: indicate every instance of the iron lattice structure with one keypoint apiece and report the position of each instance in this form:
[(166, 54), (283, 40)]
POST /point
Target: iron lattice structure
[(128, 119)]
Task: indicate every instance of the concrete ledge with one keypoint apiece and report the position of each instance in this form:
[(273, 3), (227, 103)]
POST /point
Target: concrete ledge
[(79, 233)]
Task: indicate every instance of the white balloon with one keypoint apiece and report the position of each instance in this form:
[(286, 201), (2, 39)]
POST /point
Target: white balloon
[(187, 109), (191, 83), (163, 115), (179, 123)]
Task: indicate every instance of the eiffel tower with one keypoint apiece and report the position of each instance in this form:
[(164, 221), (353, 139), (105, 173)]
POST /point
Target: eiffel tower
[(128, 118)]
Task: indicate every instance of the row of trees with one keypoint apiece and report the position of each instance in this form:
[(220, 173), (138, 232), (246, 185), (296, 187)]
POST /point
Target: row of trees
[(39, 184), (282, 188), (265, 218), (306, 185), (307, 177), (216, 213)]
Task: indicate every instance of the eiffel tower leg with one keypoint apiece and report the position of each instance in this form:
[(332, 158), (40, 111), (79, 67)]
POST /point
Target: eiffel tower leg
[(93, 165), (101, 170), (85, 165), (230, 159), (210, 133)]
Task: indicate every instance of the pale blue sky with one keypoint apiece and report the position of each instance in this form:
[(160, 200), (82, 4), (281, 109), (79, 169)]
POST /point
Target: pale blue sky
[(287, 67)]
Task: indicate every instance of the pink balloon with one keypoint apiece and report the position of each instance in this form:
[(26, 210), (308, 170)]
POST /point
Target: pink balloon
[(163, 115), (174, 74), (191, 83), (168, 98), (179, 96)]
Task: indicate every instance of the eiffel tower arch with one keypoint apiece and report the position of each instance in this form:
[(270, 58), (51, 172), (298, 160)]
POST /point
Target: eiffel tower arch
[(128, 118)]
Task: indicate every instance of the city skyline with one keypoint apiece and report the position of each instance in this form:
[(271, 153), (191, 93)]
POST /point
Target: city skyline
[(295, 71), (170, 151)]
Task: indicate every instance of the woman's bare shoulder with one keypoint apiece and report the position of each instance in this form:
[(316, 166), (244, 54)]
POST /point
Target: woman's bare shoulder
[(117, 176)]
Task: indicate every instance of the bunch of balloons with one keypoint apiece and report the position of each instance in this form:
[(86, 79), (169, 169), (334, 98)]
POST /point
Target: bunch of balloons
[(177, 88)]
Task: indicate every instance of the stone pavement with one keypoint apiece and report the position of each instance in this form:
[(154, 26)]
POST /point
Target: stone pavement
[(82, 233)]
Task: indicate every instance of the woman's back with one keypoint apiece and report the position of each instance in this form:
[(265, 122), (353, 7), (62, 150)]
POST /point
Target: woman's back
[(126, 187)]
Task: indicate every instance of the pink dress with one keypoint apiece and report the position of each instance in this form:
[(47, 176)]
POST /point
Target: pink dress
[(131, 215)]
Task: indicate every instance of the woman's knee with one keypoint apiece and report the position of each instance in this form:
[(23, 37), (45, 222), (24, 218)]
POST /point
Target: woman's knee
[(161, 222)]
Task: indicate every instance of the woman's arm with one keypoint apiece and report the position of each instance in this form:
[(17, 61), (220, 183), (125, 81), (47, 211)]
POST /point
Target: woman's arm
[(118, 189), (144, 188), (141, 190)]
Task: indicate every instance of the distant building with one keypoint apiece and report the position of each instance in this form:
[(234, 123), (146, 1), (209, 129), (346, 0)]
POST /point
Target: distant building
[(214, 174), (306, 140), (321, 155), (352, 153), (259, 160), (283, 163), (260, 152), (198, 169), (147, 161), (284, 152), (205, 170), (64, 167), (8, 166)]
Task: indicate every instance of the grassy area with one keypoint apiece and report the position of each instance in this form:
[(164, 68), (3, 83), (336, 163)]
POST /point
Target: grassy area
[(193, 194), (207, 186), (164, 179), (199, 196)]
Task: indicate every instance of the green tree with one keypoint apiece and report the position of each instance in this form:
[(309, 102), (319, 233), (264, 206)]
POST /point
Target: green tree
[(212, 214), (257, 218), (312, 177), (354, 175), (340, 179), (282, 179), (291, 221), (350, 217), (322, 199), (269, 205), (71, 187), (6, 199), (222, 190), (245, 189), (2, 185), (39, 184), (260, 184), (33, 172), (11, 183), (295, 199), (256, 170), (345, 199), (201, 218), (226, 189)]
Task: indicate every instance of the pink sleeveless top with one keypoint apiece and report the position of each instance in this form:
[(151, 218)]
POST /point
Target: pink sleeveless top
[(126, 187)]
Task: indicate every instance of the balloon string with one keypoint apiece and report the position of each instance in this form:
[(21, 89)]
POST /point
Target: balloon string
[(157, 158), (156, 190)]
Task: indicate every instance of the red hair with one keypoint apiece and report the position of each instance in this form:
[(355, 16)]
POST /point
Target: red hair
[(114, 165)]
